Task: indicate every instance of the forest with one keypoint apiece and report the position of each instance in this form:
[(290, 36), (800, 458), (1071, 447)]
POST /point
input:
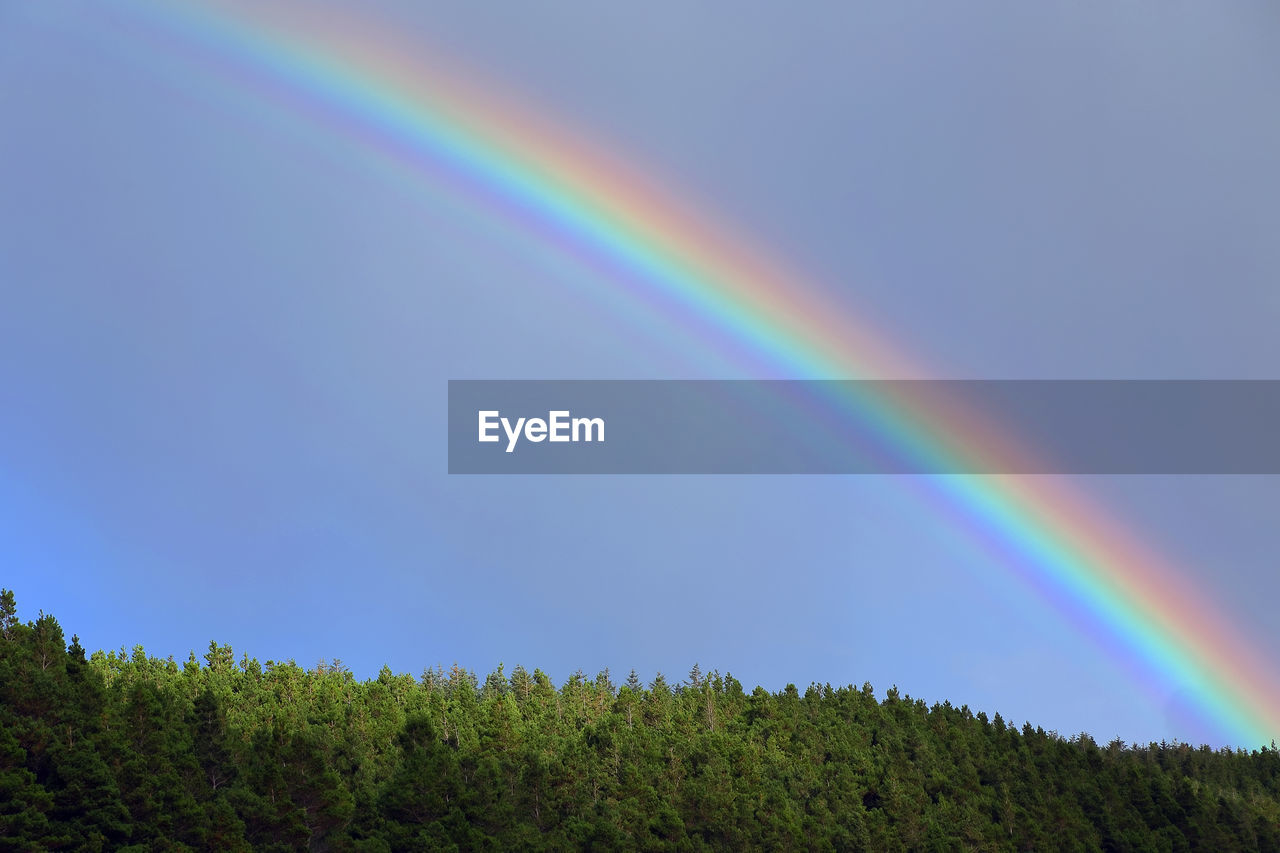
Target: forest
[(126, 751)]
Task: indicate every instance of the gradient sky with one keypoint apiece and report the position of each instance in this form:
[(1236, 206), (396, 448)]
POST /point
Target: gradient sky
[(224, 338)]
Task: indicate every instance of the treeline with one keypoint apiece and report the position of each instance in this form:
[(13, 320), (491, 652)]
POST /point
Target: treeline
[(132, 752)]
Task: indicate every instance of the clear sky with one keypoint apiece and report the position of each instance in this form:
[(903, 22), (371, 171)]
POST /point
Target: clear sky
[(224, 338)]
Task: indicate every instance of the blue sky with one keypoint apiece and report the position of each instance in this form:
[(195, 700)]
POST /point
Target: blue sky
[(224, 340)]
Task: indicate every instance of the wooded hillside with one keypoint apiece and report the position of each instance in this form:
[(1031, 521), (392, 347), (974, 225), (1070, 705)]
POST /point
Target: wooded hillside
[(126, 751)]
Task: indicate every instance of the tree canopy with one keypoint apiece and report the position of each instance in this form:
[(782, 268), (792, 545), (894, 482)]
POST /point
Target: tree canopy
[(126, 751)]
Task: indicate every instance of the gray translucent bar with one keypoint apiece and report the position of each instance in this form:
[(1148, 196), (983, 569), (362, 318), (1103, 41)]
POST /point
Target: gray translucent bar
[(865, 427)]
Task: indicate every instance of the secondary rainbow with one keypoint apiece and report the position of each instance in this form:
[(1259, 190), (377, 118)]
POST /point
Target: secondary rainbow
[(356, 80)]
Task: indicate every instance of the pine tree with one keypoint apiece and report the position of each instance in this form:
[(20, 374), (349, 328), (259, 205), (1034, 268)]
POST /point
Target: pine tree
[(8, 613)]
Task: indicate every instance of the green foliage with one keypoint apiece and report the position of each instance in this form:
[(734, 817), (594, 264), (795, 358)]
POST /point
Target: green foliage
[(124, 751)]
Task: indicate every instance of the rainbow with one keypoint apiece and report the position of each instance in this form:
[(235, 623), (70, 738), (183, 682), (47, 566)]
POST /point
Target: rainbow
[(355, 80)]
